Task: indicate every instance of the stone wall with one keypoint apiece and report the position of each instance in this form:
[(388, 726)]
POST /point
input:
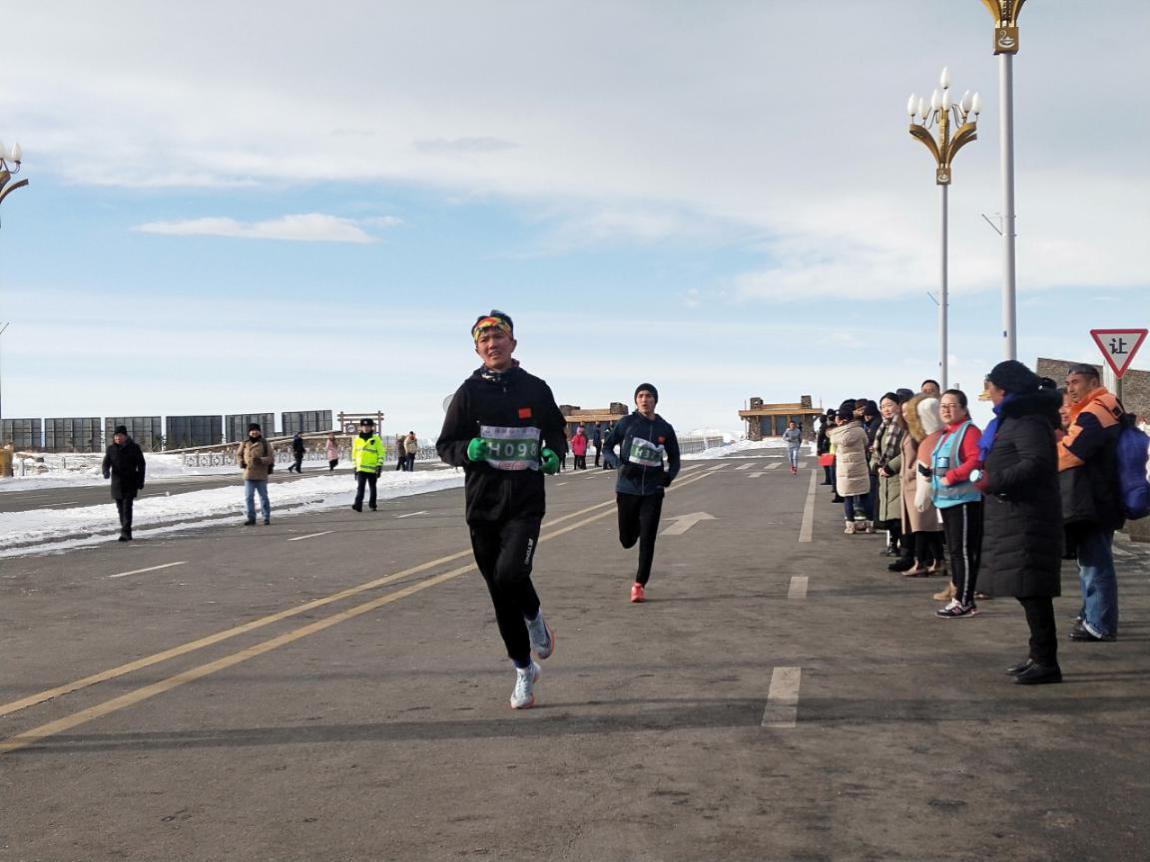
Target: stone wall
[(1135, 384)]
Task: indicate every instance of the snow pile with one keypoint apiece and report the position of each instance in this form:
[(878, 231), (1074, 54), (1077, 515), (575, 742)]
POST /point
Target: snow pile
[(90, 524), (735, 448)]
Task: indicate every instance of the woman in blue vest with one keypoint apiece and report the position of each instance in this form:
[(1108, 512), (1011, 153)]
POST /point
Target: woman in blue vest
[(954, 458)]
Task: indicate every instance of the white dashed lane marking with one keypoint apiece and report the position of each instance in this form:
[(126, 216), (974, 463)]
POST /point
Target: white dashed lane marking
[(311, 536), (149, 569), (782, 709)]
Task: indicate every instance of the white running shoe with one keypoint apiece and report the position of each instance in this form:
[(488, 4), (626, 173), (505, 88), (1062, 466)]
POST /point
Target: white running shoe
[(523, 697), (542, 637)]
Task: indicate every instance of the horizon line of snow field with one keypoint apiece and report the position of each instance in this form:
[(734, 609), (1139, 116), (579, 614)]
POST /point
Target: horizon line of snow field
[(46, 530), (40, 531)]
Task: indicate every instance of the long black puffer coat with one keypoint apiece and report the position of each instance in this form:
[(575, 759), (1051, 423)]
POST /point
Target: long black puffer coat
[(124, 464), (1022, 530)]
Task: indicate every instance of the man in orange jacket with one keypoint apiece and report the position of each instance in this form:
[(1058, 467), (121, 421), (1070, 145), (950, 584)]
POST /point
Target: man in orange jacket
[(1091, 498)]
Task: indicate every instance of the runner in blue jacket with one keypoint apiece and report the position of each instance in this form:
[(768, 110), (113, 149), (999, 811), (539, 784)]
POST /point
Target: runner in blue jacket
[(648, 462)]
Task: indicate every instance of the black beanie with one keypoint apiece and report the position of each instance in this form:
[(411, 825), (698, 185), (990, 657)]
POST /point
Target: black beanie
[(255, 426), (1013, 377), (647, 387), (121, 429), (847, 408)]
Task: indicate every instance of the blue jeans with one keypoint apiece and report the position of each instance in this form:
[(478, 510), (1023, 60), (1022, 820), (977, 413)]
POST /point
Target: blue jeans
[(1099, 580), (793, 455), (250, 488), (862, 502)]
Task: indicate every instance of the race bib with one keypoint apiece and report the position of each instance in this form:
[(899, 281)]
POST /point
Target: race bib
[(511, 448), (645, 453)]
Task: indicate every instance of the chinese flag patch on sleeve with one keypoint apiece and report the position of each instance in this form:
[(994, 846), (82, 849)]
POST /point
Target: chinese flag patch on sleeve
[(524, 412)]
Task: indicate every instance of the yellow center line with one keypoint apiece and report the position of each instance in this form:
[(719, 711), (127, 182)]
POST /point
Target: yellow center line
[(236, 631), (30, 737)]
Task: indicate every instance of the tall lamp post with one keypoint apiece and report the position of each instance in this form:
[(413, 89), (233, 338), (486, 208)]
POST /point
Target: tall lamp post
[(1005, 14), (9, 165), (939, 115)]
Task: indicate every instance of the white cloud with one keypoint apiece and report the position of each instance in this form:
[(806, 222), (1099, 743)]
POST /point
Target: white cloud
[(305, 227), (655, 125)]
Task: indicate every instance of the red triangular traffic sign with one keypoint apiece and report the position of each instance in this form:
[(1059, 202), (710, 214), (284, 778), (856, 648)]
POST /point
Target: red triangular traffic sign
[(1119, 346)]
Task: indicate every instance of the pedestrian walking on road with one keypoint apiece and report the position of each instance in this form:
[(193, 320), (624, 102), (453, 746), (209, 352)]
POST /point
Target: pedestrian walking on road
[(331, 450), (649, 462), (793, 437), (297, 453), (505, 430), (367, 454), (1022, 527), (410, 450), (1092, 498), (400, 452), (852, 476), (124, 465), (257, 459), (579, 448), (597, 441), (954, 457)]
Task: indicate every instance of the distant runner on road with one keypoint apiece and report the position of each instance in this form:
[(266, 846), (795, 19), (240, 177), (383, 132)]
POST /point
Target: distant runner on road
[(646, 440), (505, 430), (794, 440)]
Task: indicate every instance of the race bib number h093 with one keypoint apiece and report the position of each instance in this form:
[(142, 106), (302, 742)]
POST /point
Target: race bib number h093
[(511, 448), (645, 453)]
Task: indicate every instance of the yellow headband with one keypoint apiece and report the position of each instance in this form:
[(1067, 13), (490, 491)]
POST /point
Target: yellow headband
[(489, 323)]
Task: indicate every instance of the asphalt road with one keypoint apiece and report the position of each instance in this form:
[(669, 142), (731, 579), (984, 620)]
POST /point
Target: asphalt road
[(333, 687)]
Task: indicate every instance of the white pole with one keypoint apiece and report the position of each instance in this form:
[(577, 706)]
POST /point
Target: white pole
[(1006, 119), (943, 300)]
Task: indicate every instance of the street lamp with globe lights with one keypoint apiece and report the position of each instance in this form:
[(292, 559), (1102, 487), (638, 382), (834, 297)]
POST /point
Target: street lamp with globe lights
[(1005, 14), (940, 114)]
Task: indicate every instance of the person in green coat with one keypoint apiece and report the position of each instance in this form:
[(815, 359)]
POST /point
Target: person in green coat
[(886, 461)]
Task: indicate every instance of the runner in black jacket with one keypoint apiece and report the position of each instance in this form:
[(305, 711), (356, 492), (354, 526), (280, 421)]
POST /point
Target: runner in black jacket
[(505, 430), (644, 438)]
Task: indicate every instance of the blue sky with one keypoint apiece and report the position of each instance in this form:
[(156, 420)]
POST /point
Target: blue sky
[(289, 213)]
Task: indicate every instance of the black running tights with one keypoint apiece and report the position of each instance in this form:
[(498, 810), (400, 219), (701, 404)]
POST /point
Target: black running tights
[(639, 521), (504, 552)]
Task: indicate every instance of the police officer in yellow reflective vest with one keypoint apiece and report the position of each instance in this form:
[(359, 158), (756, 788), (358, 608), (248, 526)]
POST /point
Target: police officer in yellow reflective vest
[(367, 456)]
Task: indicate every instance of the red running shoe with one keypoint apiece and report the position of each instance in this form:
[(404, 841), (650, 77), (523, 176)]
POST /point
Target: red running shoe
[(637, 594)]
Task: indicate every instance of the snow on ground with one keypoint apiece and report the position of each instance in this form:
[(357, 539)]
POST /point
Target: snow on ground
[(87, 525), (81, 469), (736, 448)]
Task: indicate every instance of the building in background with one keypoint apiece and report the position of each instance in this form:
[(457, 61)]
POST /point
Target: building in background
[(770, 420)]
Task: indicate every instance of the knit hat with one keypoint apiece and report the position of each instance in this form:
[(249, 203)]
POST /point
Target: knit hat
[(1083, 368), (367, 420), (494, 320), (121, 429), (1013, 377), (255, 426), (647, 387), (847, 408)]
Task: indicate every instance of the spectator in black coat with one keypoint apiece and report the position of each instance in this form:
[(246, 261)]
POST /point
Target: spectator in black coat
[(1022, 532), (124, 465), (297, 451)]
